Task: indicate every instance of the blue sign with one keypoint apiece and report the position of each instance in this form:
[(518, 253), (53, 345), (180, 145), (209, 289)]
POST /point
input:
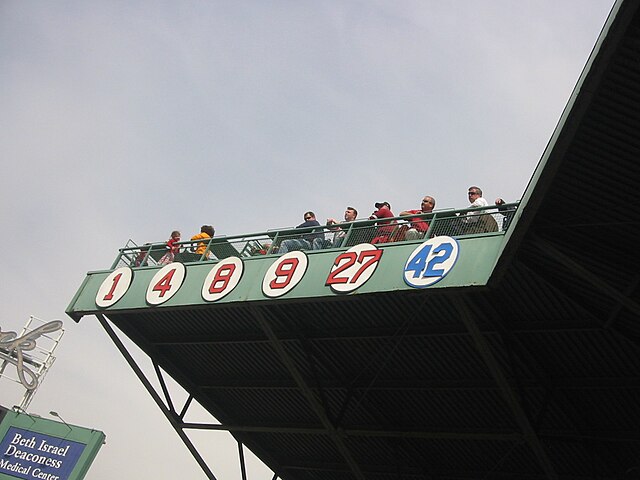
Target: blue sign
[(31, 455), (431, 261)]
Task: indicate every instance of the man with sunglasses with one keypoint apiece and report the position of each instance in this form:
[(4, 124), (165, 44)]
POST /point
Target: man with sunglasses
[(306, 240), (419, 226), (475, 197), (478, 221)]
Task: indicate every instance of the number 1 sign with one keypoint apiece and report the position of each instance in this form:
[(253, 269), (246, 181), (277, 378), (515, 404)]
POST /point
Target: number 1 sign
[(114, 287)]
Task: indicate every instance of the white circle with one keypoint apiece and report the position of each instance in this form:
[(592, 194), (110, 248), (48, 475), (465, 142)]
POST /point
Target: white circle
[(352, 269), (431, 261), (284, 274), (165, 283), (114, 287), (225, 285)]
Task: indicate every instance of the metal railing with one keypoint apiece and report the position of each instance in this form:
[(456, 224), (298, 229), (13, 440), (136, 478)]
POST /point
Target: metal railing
[(413, 228)]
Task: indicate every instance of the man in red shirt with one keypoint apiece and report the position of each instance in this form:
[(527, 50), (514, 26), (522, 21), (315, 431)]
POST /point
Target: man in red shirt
[(419, 226), (384, 228)]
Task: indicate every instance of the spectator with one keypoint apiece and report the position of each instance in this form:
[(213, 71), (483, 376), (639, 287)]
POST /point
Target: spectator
[(478, 221), (475, 197), (206, 231), (350, 214), (385, 228), (260, 249), (141, 259), (507, 213), (419, 226), (173, 248), (305, 242)]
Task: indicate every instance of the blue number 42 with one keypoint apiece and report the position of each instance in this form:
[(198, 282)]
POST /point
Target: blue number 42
[(419, 265)]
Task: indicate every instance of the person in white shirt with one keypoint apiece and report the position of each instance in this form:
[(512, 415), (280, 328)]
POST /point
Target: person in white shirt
[(478, 221), (475, 197)]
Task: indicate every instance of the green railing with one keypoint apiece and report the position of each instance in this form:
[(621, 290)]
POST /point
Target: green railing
[(453, 223)]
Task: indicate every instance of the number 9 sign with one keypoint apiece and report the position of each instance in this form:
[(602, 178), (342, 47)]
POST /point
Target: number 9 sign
[(284, 274), (431, 262)]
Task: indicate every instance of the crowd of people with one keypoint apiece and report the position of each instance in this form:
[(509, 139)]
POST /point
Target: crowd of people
[(386, 230)]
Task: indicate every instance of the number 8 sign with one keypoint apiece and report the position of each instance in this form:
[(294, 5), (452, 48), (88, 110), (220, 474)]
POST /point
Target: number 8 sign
[(431, 262), (222, 279)]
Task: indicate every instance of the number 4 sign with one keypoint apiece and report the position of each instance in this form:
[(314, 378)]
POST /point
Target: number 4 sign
[(431, 262), (165, 283)]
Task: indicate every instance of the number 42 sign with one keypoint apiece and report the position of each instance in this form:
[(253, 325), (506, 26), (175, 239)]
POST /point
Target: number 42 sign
[(431, 262)]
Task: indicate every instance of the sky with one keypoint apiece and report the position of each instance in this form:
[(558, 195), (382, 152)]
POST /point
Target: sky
[(129, 119)]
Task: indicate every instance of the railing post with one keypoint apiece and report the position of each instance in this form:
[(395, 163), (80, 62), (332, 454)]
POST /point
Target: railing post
[(273, 244)]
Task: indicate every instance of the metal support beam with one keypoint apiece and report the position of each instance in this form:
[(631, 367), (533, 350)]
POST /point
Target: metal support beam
[(508, 393), (613, 316), (163, 386), (314, 403), (243, 469), (352, 432), (549, 249), (143, 379)]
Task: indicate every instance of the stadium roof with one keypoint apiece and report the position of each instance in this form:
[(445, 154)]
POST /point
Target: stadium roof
[(534, 375)]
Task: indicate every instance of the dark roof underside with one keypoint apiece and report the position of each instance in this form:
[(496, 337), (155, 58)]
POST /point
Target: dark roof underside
[(535, 376)]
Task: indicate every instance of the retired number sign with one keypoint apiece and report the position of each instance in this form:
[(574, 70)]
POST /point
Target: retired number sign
[(222, 279), (114, 287), (431, 262), (353, 268), (284, 274), (165, 283)]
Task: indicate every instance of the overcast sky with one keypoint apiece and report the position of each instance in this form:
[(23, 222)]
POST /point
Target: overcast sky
[(129, 119)]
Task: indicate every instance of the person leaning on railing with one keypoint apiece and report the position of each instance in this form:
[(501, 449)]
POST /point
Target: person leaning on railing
[(418, 226), (350, 214), (506, 212), (306, 240), (477, 221), (384, 227), (173, 247)]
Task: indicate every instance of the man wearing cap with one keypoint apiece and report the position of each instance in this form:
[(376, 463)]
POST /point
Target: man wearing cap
[(384, 227), (418, 225)]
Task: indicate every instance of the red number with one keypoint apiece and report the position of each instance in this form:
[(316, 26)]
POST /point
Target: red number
[(109, 295), (164, 284), (351, 257), (374, 257), (333, 278), (223, 275), (287, 273)]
